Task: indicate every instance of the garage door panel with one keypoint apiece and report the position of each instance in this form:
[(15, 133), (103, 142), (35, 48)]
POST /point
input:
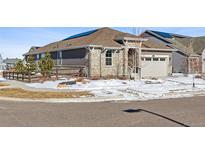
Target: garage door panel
[(155, 68)]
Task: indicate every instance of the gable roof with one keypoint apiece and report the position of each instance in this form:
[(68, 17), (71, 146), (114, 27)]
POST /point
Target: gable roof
[(10, 60), (172, 40), (153, 42), (106, 37), (198, 43)]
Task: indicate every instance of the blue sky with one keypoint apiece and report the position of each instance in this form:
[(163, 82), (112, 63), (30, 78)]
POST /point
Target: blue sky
[(16, 41)]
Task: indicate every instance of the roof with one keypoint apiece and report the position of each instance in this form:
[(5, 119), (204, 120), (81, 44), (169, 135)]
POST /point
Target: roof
[(198, 43), (171, 40), (168, 35), (106, 37), (10, 60), (153, 42)]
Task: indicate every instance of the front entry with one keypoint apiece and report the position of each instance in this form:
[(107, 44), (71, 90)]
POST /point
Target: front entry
[(133, 63)]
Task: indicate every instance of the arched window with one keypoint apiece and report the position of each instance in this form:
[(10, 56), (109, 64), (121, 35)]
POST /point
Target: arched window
[(108, 57)]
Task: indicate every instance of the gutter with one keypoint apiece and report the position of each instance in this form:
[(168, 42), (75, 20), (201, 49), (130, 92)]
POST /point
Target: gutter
[(158, 49)]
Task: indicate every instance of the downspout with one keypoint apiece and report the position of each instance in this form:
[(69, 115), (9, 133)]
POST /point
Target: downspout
[(89, 62), (140, 62), (101, 63), (118, 52)]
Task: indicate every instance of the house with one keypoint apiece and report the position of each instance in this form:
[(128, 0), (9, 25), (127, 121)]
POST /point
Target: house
[(1, 63), (10, 62), (187, 57), (106, 52)]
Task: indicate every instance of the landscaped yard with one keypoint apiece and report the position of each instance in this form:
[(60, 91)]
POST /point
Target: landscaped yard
[(113, 89), (171, 87)]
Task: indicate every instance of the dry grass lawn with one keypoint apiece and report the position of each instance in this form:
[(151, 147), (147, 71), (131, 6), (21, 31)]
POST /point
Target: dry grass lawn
[(21, 93), (3, 84)]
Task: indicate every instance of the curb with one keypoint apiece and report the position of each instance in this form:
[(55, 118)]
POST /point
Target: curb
[(66, 100)]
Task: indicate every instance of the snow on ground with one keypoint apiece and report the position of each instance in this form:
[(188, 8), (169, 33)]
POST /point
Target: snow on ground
[(171, 87), (1, 78)]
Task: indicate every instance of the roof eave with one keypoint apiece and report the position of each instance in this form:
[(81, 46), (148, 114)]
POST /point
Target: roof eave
[(158, 49)]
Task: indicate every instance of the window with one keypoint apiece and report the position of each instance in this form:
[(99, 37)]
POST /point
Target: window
[(162, 59), (59, 54), (38, 56), (155, 59), (142, 59), (43, 55), (148, 59), (108, 57)]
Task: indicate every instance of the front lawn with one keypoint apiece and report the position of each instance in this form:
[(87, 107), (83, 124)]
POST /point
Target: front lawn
[(21, 93)]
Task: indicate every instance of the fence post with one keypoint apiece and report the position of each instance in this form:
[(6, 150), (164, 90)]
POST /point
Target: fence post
[(22, 76), (17, 75), (56, 73), (29, 77)]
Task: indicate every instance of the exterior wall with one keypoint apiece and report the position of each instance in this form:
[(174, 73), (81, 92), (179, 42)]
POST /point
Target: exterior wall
[(68, 57), (98, 67), (179, 63), (94, 62), (194, 64), (203, 62)]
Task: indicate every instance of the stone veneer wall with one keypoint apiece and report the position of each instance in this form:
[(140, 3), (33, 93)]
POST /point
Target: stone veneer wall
[(98, 67)]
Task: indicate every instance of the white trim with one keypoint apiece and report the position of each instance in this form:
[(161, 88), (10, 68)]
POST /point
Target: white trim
[(157, 49), (144, 56), (161, 56)]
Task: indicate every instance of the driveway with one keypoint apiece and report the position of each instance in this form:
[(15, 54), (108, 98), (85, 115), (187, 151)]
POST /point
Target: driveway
[(179, 112)]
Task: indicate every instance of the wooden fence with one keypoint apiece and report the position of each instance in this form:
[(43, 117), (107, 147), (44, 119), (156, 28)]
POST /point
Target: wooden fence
[(25, 77), (29, 77)]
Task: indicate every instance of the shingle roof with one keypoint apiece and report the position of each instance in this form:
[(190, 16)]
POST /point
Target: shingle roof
[(103, 37), (198, 43), (10, 60), (172, 40), (153, 42)]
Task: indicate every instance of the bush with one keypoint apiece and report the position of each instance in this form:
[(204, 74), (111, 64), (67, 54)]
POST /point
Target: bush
[(30, 65), (46, 64), (20, 67)]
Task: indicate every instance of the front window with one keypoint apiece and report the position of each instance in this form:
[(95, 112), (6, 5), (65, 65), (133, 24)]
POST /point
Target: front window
[(108, 57), (43, 55)]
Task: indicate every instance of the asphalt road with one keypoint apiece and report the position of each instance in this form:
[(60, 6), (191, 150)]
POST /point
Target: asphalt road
[(181, 112)]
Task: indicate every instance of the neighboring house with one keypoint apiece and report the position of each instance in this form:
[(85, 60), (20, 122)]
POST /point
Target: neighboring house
[(1, 63), (203, 63), (10, 62), (106, 52), (186, 58)]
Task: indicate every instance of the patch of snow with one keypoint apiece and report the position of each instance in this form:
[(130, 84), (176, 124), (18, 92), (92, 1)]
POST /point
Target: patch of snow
[(2, 79), (170, 87)]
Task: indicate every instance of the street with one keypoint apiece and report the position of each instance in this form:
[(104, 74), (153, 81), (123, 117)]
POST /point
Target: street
[(180, 112)]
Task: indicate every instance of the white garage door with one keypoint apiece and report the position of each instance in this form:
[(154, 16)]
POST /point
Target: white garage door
[(156, 66)]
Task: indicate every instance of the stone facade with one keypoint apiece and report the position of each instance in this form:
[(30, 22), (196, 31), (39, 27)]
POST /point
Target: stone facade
[(194, 64), (98, 67)]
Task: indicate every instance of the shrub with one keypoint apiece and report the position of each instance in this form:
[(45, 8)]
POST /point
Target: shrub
[(46, 64), (30, 64), (20, 67)]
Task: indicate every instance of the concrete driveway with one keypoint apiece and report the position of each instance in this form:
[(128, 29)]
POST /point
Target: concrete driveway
[(179, 112)]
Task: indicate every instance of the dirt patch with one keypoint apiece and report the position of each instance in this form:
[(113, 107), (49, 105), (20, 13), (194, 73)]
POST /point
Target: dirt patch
[(21, 93), (3, 84)]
